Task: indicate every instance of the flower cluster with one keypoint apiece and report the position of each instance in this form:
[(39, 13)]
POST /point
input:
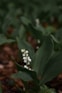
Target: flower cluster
[(26, 58)]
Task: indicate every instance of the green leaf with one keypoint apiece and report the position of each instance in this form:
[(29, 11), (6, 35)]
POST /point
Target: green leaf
[(11, 6), (42, 56), (60, 18), (45, 89), (55, 39), (22, 32), (22, 75), (58, 34), (31, 73), (4, 40), (40, 28), (53, 68), (50, 30), (37, 33), (25, 21)]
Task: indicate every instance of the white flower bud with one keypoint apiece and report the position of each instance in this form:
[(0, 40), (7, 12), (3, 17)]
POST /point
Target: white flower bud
[(27, 55), (28, 63), (26, 52), (25, 61), (25, 66), (22, 50), (30, 69), (25, 58), (37, 47), (29, 59), (23, 55), (38, 41)]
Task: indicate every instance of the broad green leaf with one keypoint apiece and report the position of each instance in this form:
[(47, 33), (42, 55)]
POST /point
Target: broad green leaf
[(4, 40), (11, 6), (55, 39), (60, 18), (58, 34), (40, 28), (53, 68), (22, 44), (22, 31), (50, 30), (44, 89), (25, 21), (37, 33), (42, 56), (31, 73), (22, 75)]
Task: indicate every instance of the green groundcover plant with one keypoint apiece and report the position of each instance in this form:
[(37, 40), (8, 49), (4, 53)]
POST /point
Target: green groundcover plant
[(43, 20)]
